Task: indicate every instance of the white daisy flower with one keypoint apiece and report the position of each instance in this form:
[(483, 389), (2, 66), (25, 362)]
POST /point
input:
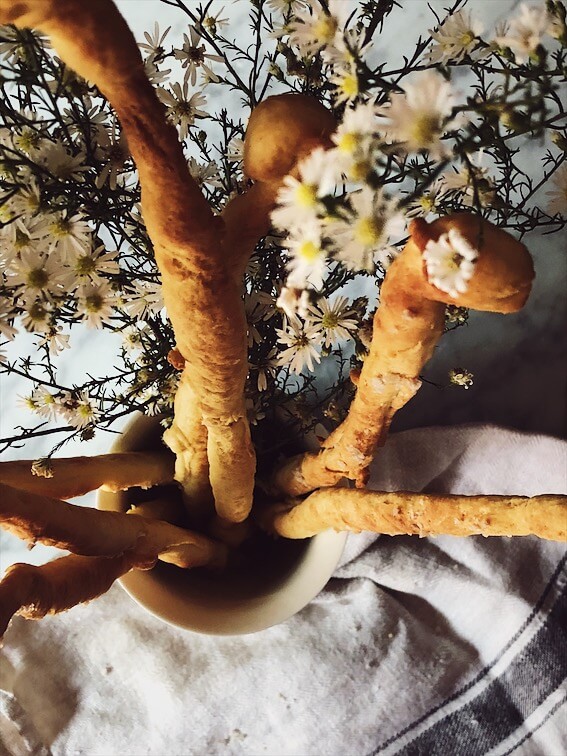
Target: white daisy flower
[(428, 202), (299, 199), (192, 56), (235, 150), (214, 23), (45, 403), (7, 330), (293, 302), (345, 80), (308, 263), (55, 340), (27, 199), (85, 267), (153, 45), (22, 235), (314, 29), (36, 316), (363, 239), (334, 320), (27, 401), (79, 411), (558, 196), (418, 118), (61, 163), (40, 275), (96, 302), (145, 298), (112, 148), (450, 262), (131, 339), (266, 369), (526, 31), (471, 183), (69, 235), (182, 109), (300, 342), (356, 130), (204, 173), (286, 6), (457, 37), (156, 76)]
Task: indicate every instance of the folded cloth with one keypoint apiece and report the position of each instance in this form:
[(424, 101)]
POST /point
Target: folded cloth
[(416, 646)]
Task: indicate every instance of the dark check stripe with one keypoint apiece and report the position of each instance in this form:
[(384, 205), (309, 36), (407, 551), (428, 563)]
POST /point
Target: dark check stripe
[(528, 735), (507, 701), (485, 670)]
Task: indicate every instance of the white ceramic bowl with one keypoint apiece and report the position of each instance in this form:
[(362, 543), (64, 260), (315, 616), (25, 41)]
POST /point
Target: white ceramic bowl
[(286, 576)]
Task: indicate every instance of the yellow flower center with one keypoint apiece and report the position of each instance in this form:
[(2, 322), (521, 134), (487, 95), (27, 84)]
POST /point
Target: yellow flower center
[(309, 251), (28, 140), (367, 231), (424, 130), (85, 265), (37, 312), (37, 278), (329, 320), (60, 227), (306, 195), (467, 38), (85, 410), (427, 203), (94, 303), (348, 143), (349, 86), (325, 28)]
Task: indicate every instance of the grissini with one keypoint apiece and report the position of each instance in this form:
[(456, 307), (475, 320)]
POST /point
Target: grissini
[(34, 592), (407, 326), (75, 476), (92, 532), (202, 298), (404, 513)]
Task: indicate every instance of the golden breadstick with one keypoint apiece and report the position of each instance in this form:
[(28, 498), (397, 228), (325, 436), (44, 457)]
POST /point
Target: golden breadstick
[(187, 438), (34, 592), (202, 299), (407, 326), (92, 532), (404, 513), (74, 476)]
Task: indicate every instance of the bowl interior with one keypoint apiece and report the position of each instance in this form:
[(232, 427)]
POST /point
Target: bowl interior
[(275, 579)]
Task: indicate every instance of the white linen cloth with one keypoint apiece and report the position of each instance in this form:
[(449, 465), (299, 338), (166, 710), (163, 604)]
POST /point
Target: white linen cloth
[(416, 646)]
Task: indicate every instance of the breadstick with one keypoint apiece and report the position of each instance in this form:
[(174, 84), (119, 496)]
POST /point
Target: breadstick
[(92, 532), (187, 438), (202, 299), (407, 326), (404, 513), (34, 592), (75, 476)]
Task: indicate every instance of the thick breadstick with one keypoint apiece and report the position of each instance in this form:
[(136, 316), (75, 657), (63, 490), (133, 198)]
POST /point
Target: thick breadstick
[(74, 476), (202, 298), (92, 532), (187, 438), (403, 513), (407, 326), (34, 592)]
